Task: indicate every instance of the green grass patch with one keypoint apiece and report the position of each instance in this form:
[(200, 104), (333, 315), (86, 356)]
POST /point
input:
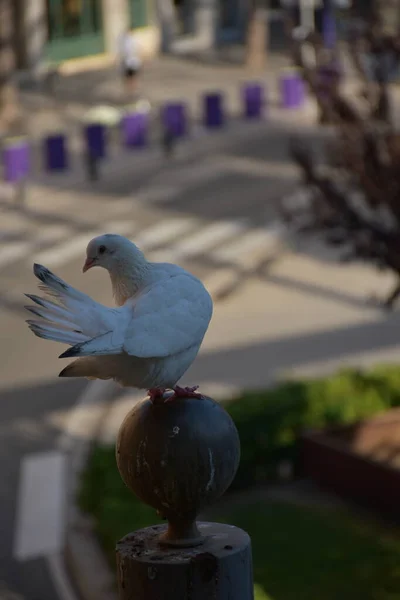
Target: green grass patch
[(299, 553), (104, 496), (308, 554), (270, 421)]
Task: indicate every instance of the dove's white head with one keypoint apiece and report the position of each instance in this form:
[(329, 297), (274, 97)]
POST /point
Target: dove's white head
[(123, 260), (112, 252)]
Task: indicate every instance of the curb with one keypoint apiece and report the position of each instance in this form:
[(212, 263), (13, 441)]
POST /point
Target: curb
[(85, 563), (200, 142), (87, 566)]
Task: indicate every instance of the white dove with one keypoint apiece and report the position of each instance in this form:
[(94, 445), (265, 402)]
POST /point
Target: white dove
[(149, 341)]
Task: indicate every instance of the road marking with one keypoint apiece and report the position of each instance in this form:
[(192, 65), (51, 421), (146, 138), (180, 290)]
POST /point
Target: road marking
[(257, 168), (68, 250), (54, 233), (247, 253), (209, 236), (242, 252), (174, 183), (120, 227), (55, 563), (41, 505), (45, 487), (160, 193), (221, 282), (10, 234), (163, 232), (13, 252), (194, 175), (87, 410)]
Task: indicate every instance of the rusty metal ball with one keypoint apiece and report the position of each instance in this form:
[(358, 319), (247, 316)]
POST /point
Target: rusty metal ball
[(178, 457)]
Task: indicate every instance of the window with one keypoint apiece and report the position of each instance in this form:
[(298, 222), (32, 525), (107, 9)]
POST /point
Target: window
[(229, 14), (73, 18), (75, 28), (138, 13)]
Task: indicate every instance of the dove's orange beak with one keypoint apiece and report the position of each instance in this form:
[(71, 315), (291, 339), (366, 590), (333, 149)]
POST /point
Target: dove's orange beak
[(89, 262)]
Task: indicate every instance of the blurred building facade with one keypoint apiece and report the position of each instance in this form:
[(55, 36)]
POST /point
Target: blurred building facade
[(210, 23), (61, 30)]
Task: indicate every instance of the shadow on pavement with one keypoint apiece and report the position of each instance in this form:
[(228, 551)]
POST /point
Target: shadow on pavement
[(252, 365)]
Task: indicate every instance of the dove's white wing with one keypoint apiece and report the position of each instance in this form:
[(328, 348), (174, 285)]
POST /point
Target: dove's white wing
[(170, 317)]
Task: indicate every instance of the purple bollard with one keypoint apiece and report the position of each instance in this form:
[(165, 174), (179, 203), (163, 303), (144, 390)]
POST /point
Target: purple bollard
[(329, 33), (134, 128), (254, 101), (174, 119), (55, 151), (213, 110), (292, 90), (16, 160), (95, 140)]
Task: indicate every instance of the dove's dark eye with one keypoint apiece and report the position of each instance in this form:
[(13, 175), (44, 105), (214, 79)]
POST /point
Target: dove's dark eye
[(102, 249)]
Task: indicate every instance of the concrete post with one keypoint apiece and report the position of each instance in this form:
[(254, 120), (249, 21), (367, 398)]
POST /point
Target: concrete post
[(8, 94), (115, 22), (257, 39), (34, 33), (166, 22), (205, 21)]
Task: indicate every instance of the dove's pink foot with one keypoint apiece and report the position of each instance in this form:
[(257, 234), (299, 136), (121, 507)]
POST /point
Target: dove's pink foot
[(186, 392), (156, 394)]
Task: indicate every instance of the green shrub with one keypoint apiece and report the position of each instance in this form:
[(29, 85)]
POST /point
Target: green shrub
[(270, 421), (103, 494)]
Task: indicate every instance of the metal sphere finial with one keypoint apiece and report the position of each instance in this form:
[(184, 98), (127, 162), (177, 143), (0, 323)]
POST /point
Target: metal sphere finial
[(178, 457)]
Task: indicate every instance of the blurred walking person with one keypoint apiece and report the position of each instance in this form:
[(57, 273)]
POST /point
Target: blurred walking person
[(130, 61)]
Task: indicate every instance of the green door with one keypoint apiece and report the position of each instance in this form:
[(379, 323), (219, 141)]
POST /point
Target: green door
[(75, 29), (138, 13)]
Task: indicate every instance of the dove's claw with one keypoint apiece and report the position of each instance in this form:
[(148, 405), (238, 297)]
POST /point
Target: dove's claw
[(186, 392), (156, 394)]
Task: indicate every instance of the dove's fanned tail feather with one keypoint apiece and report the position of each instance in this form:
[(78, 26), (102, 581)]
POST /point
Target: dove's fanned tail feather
[(66, 319), (55, 286), (58, 323), (50, 331), (99, 346), (50, 311)]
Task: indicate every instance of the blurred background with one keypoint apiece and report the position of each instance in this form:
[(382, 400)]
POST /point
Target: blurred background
[(256, 144)]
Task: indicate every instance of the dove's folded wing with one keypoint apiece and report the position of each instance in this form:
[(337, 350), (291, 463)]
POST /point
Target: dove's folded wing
[(170, 317)]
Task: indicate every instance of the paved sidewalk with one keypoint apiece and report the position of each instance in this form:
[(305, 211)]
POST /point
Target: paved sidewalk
[(165, 78)]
